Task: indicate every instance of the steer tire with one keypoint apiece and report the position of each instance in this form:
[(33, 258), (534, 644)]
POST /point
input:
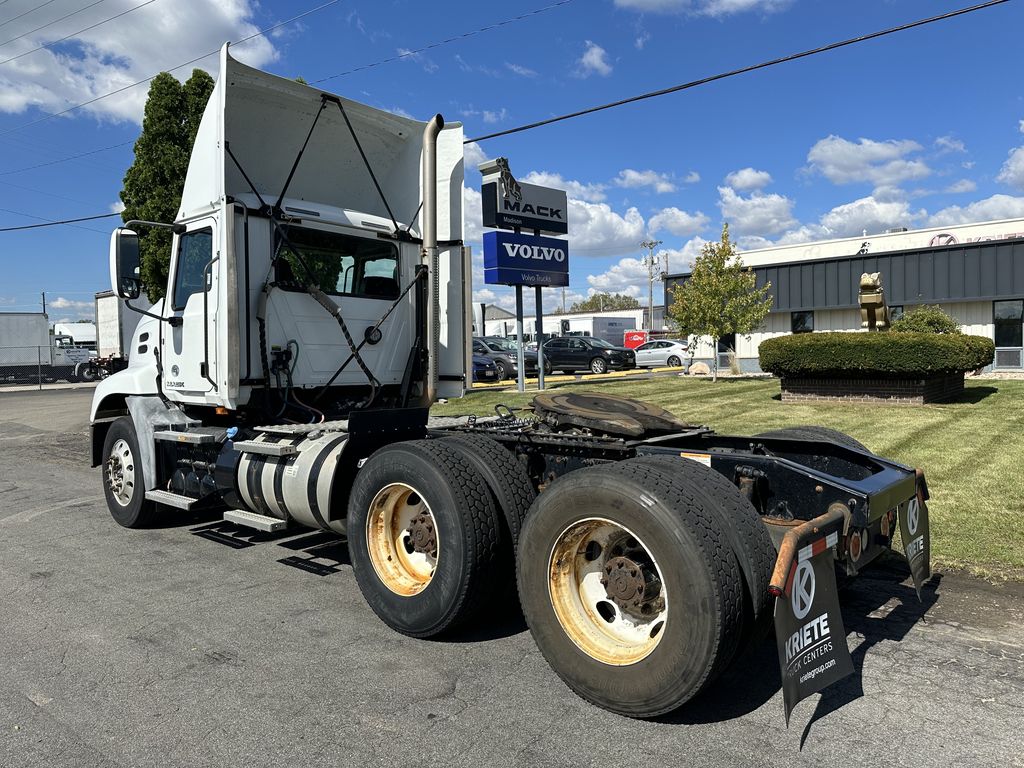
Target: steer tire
[(745, 532), (468, 534), (701, 585), (129, 508), (813, 432)]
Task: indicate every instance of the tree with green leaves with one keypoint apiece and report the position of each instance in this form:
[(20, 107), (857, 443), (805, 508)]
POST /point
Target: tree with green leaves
[(604, 301), (720, 296), (154, 182)]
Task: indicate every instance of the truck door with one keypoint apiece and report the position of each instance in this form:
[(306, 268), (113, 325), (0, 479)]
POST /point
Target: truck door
[(189, 352)]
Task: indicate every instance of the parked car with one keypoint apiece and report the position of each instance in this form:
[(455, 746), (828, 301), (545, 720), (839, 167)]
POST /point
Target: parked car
[(484, 369), (583, 353), (505, 355), (670, 352)]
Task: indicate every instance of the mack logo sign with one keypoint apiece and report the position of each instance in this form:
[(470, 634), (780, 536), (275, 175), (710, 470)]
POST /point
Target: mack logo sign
[(516, 259), (536, 208)]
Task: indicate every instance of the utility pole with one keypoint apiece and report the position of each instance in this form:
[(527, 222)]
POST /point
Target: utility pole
[(651, 262)]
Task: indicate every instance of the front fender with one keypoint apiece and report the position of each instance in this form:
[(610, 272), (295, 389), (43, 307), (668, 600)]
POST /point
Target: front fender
[(108, 400)]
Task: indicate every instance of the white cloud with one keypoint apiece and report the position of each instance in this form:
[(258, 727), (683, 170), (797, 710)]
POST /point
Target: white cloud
[(989, 209), (964, 185), (114, 55), (520, 70), (678, 222), (757, 214), (883, 163), (593, 193), (428, 64), (628, 276), (62, 303), (594, 60), (632, 179), (472, 217), (595, 226), (681, 259), (641, 40), (1020, 125), (116, 207), (1012, 172), (704, 7), (747, 179), (484, 294), (948, 144), (473, 155), (495, 117), (691, 178), (869, 214)]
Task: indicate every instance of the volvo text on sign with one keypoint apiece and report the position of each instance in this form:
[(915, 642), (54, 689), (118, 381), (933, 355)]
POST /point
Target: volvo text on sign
[(515, 259)]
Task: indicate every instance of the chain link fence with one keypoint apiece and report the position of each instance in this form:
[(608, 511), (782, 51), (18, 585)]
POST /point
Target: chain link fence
[(36, 366)]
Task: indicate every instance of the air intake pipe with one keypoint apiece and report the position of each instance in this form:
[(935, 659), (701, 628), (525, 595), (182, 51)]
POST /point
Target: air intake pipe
[(430, 252)]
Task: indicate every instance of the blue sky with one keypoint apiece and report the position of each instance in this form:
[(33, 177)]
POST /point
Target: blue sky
[(922, 128)]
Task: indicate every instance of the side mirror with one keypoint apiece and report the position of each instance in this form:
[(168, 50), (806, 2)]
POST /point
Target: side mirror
[(125, 274)]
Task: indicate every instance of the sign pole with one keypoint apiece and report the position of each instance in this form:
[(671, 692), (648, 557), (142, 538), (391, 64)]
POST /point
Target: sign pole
[(540, 341), (520, 372)]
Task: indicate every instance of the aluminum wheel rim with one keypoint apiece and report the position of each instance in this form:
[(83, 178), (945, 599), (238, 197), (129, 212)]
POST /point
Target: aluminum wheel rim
[(121, 472), (389, 539), (596, 624)]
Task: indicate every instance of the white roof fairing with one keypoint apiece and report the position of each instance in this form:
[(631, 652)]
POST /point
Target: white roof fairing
[(265, 119)]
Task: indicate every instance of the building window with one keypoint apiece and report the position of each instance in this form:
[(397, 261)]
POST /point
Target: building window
[(895, 313), (802, 322), (1009, 330)]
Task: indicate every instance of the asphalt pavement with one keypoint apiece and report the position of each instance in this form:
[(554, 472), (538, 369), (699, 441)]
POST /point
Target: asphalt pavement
[(198, 644)]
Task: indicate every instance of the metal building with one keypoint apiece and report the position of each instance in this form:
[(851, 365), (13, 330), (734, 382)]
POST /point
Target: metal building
[(975, 272)]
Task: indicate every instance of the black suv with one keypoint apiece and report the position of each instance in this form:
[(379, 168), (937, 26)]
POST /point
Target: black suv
[(504, 355), (586, 353)]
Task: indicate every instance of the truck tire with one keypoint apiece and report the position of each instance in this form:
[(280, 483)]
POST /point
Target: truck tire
[(123, 483), (505, 475), (666, 619), (745, 532), (812, 432), (424, 537)]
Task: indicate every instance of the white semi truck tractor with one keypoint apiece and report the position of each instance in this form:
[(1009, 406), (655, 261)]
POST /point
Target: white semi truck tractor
[(318, 304)]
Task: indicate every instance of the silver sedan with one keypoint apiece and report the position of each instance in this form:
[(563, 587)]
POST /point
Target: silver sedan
[(660, 352)]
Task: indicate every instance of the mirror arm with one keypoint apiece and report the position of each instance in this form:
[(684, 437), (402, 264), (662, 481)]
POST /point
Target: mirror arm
[(174, 321), (175, 228)]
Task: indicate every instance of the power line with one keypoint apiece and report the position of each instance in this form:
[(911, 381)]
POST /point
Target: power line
[(463, 36), (75, 34), (50, 223), (741, 71), (261, 32), (26, 13), (65, 159), (51, 23)]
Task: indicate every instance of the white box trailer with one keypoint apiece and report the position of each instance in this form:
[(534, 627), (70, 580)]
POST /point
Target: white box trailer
[(28, 351)]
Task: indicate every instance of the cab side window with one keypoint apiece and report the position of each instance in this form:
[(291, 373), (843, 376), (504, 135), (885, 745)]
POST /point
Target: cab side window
[(195, 249)]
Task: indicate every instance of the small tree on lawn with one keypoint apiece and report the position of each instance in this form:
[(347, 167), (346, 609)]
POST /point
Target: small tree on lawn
[(720, 296)]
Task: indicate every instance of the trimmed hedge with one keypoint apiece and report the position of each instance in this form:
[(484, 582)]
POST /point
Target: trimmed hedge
[(897, 355)]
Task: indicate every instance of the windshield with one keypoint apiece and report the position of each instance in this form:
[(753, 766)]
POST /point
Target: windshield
[(600, 343), (502, 345)]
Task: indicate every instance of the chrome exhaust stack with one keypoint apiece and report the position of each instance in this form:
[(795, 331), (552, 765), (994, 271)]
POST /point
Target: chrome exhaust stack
[(429, 254)]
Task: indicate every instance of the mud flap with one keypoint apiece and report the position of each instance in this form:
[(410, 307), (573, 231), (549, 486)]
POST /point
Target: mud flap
[(914, 531), (809, 630)]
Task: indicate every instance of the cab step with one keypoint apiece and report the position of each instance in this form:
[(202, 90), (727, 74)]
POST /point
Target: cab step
[(253, 520), (171, 499), (192, 436), (266, 449)]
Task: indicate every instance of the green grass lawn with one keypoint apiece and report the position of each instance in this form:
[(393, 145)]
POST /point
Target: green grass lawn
[(971, 450)]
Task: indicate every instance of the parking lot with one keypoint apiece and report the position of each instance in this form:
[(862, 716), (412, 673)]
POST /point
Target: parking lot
[(199, 644)]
